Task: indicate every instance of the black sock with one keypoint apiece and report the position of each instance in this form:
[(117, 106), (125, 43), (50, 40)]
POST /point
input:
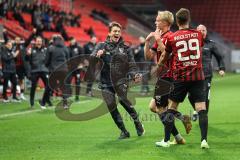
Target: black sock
[(207, 105), (174, 129), (168, 124), (203, 123), (177, 114)]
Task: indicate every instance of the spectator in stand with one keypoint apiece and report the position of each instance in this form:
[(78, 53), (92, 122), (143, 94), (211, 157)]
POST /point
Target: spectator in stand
[(5, 35), (28, 8), (3, 8), (37, 19), (90, 32)]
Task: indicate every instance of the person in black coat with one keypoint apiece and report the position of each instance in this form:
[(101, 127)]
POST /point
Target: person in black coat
[(36, 57), (118, 67), (209, 50), (8, 57), (56, 61)]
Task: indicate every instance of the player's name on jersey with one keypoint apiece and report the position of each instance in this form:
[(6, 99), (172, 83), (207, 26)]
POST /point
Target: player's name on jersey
[(186, 36), (190, 63)]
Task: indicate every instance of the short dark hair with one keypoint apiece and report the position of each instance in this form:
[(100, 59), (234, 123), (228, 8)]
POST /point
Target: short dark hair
[(183, 16), (114, 24)]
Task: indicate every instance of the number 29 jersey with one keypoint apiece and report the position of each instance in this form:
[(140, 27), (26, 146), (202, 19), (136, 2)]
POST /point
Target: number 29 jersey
[(186, 48)]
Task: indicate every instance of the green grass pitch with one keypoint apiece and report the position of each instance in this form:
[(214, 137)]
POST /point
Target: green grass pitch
[(39, 135)]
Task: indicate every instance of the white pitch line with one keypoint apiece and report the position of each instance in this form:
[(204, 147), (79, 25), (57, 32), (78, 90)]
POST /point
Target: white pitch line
[(19, 113), (32, 111)]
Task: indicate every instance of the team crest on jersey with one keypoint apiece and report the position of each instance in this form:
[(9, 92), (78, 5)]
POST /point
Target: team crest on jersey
[(121, 50)]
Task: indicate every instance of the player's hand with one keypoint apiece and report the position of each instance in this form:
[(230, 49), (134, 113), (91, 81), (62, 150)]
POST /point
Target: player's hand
[(221, 73), (150, 36), (100, 53), (157, 34), (138, 78)]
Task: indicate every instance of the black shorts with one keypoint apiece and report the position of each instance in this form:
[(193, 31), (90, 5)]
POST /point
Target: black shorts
[(207, 84), (162, 89), (20, 72), (196, 89)]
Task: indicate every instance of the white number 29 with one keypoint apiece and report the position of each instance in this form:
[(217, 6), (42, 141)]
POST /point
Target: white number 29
[(188, 45)]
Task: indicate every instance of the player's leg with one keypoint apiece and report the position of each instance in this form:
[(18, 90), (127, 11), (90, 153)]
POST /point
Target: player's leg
[(195, 114), (176, 96), (110, 99), (208, 87), (168, 122), (122, 94), (198, 91)]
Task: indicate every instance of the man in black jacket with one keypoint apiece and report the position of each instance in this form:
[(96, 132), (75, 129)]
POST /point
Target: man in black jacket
[(209, 50), (36, 57), (88, 49), (56, 61), (118, 65), (76, 50), (9, 70)]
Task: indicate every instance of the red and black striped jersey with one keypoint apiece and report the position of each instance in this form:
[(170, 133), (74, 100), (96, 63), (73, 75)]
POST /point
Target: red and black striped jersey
[(164, 37), (186, 48)]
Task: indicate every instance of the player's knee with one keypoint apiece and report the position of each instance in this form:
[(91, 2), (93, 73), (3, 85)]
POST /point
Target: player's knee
[(152, 106), (200, 106), (152, 109)]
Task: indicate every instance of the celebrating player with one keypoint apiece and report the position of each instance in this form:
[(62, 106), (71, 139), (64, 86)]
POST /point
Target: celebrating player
[(185, 46), (158, 104)]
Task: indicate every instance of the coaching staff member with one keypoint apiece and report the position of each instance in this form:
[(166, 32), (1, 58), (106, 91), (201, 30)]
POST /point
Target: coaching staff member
[(56, 61), (209, 50), (8, 57), (36, 57), (118, 63)]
